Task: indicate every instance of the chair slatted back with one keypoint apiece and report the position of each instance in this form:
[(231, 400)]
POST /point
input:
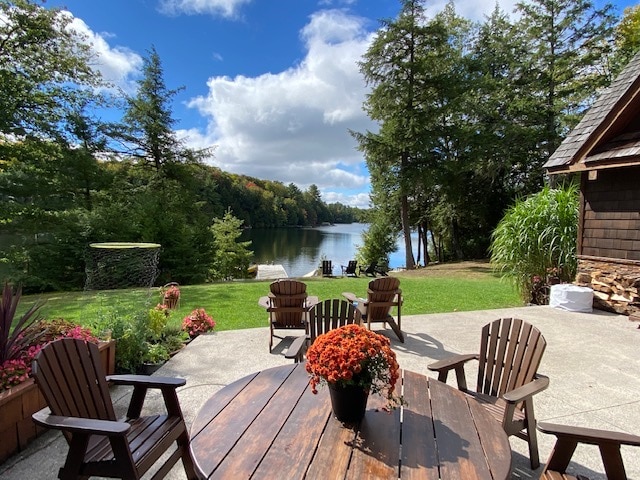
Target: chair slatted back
[(287, 299), (327, 268), (510, 354), (382, 294), (330, 314), (70, 375), (351, 267), (371, 269)]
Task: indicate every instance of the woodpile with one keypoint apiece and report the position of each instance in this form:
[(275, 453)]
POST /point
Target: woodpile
[(613, 291)]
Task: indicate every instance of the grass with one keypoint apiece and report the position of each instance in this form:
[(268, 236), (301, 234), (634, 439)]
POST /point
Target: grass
[(234, 305)]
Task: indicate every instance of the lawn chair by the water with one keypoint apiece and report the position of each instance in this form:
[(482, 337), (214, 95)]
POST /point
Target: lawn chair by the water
[(382, 295), (350, 268), (287, 304), (372, 270), (327, 268)]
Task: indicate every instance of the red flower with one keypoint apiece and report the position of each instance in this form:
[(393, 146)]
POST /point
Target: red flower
[(197, 322)]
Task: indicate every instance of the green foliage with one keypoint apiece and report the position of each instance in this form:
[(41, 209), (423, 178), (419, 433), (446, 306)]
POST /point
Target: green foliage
[(157, 322), (130, 330), (379, 240), (231, 258), (44, 65), (537, 235), (469, 113), (627, 38), (155, 353)]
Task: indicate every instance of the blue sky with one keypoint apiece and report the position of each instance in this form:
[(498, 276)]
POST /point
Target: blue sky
[(273, 85)]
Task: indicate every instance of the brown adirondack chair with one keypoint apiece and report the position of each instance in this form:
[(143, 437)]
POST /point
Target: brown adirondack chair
[(382, 295), (287, 304), (323, 316), (71, 377), (569, 437), (510, 353)]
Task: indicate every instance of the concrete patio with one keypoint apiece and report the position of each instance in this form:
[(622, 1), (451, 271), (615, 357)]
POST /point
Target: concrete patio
[(592, 360)]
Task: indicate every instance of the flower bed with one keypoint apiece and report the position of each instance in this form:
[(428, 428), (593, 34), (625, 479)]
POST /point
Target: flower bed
[(19, 402)]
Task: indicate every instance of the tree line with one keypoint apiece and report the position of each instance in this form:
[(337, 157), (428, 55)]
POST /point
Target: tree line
[(68, 178), (469, 112)]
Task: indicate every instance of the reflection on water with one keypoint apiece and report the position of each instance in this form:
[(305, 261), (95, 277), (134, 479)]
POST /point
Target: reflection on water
[(299, 250)]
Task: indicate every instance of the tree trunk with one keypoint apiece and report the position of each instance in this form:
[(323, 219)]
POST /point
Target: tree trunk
[(410, 263)]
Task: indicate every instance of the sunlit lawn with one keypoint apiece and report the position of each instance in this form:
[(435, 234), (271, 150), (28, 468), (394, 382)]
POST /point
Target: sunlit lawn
[(234, 305)]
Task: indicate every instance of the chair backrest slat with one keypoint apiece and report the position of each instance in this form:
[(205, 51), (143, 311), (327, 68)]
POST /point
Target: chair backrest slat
[(330, 314), (287, 302), (382, 294), (72, 379), (510, 354)]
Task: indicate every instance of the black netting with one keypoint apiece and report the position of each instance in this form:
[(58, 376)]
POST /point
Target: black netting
[(121, 265)]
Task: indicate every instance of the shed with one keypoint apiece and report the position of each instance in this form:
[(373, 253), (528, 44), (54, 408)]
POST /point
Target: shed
[(604, 149)]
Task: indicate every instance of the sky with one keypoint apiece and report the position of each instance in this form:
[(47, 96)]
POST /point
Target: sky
[(272, 85)]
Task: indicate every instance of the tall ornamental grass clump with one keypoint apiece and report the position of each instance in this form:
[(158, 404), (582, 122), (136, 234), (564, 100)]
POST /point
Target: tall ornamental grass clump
[(537, 237)]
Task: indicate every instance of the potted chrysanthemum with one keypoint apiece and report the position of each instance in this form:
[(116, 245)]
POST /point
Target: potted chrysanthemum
[(353, 362)]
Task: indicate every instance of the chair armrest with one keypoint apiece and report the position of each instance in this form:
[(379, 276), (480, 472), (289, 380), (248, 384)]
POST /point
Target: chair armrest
[(517, 395), (147, 381), (589, 435), (311, 301), (264, 302), (80, 425), (351, 297), (296, 349), (452, 362)]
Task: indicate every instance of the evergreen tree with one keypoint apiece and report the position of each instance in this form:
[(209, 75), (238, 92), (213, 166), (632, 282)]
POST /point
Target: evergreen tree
[(567, 42), (231, 257), (394, 69), (147, 132)]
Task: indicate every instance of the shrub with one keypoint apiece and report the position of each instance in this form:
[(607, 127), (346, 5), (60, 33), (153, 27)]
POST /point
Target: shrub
[(197, 322), (538, 235)]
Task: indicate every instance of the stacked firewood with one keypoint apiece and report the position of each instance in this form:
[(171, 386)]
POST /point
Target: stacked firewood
[(613, 291)]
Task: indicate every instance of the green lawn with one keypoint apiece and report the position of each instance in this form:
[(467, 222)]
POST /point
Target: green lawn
[(234, 304)]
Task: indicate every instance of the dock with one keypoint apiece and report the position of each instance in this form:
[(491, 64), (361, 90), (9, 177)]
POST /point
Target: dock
[(267, 272)]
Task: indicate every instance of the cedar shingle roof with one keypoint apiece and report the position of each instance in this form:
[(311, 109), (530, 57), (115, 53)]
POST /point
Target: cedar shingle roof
[(609, 133)]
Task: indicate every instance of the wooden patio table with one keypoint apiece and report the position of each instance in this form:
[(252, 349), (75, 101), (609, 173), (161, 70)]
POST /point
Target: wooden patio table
[(270, 425)]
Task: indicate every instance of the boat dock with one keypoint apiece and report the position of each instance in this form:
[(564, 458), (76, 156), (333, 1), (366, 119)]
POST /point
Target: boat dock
[(267, 272)]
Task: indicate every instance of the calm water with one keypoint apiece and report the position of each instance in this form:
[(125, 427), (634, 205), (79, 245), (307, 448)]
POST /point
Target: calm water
[(300, 250)]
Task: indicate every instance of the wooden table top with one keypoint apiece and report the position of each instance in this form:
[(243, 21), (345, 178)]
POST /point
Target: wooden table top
[(270, 425)]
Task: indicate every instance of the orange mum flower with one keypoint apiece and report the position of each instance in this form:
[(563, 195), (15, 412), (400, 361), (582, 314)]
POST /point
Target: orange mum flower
[(354, 355)]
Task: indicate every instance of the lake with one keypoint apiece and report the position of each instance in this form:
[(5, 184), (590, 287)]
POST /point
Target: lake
[(300, 250)]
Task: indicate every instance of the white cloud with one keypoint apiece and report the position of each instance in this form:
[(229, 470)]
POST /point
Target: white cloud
[(360, 200), (225, 8), (118, 65), (293, 126), (472, 9)]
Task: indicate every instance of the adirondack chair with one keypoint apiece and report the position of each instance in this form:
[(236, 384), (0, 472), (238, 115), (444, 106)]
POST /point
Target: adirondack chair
[(510, 353), (71, 378), (372, 270), (327, 268), (369, 270), (382, 295), (287, 304), (323, 316), (350, 268), (569, 437)]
